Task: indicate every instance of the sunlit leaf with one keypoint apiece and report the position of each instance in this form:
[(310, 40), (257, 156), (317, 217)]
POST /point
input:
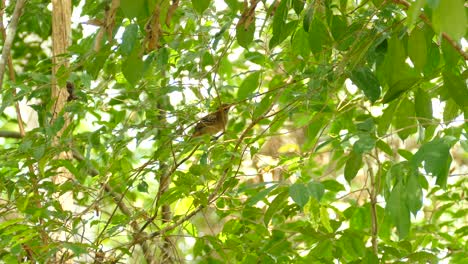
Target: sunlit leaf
[(245, 34), (248, 86), (200, 5)]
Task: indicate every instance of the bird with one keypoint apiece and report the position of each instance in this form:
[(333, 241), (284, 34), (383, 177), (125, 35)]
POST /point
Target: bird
[(212, 123)]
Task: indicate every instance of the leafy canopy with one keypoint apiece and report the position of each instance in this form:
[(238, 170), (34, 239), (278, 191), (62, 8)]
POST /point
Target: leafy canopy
[(344, 142)]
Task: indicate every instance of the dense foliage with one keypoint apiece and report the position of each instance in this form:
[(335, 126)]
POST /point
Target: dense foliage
[(347, 139)]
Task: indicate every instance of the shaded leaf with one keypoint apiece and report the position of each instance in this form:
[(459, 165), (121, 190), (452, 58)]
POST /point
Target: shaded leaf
[(423, 107), (386, 119), (316, 189), (414, 193), (436, 157), (129, 39), (299, 193), (366, 81), (365, 144), (398, 210), (353, 164), (399, 88), (457, 88), (279, 201), (405, 121)]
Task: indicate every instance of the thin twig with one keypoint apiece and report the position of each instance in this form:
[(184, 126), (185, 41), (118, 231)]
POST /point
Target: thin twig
[(373, 202)]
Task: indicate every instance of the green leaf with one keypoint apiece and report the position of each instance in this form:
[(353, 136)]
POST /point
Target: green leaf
[(414, 193), (325, 219), (450, 54), (398, 210), (309, 16), (384, 147), (279, 37), (316, 189), (248, 86), (417, 48), (299, 193), (432, 65), (129, 39), (245, 35), (405, 121), (234, 5), (423, 107), (7, 99), (252, 200), (279, 18), (275, 206), (318, 36), (325, 249), (365, 144), (133, 8), (339, 27), (450, 17), (360, 220), (366, 81), (132, 68), (313, 130), (298, 6), (414, 11), (386, 119), (407, 155), (142, 187), (57, 125), (77, 248), (263, 106), (422, 257), (451, 111), (300, 44), (457, 88), (302, 118), (395, 66), (353, 164), (200, 5), (333, 185), (399, 88), (255, 57), (436, 157), (365, 127)]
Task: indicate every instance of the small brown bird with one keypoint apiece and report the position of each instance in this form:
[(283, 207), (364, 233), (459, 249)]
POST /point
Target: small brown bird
[(212, 123)]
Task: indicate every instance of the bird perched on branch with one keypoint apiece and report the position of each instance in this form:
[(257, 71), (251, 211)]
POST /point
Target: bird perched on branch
[(212, 123)]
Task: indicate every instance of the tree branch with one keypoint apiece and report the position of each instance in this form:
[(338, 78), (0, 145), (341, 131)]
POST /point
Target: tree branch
[(10, 134), (10, 37)]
